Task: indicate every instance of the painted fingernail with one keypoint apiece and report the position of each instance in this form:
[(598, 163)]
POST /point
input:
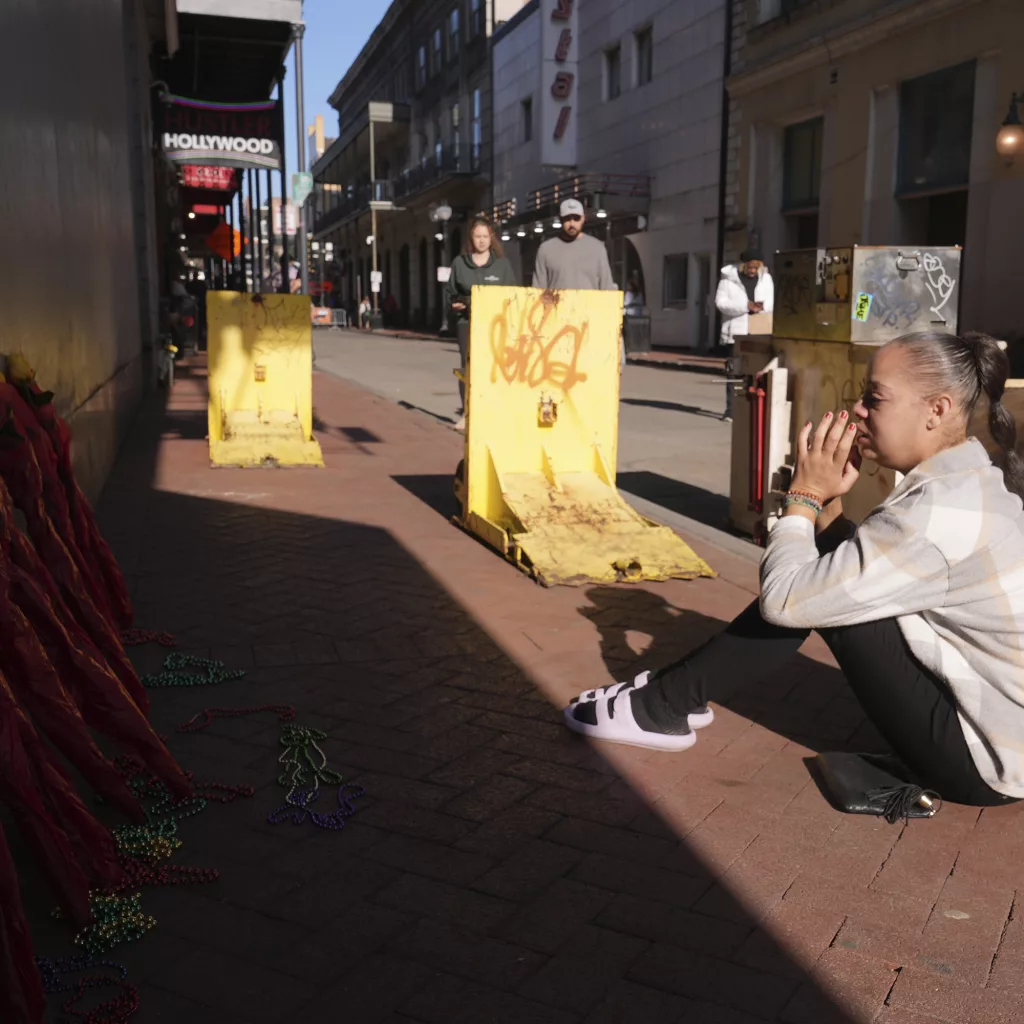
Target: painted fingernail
[(828, 415), (842, 415), (853, 426), (808, 423)]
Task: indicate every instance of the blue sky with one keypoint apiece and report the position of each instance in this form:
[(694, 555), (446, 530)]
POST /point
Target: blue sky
[(335, 33)]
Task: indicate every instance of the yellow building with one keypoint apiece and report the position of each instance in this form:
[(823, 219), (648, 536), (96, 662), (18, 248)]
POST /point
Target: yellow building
[(875, 122)]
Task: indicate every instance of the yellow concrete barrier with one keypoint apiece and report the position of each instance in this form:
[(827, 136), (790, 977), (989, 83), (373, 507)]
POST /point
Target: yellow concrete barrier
[(260, 380), (541, 442)]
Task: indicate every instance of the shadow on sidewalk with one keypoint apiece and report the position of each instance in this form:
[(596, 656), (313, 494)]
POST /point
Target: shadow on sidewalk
[(677, 496), (652, 403), (434, 490), (500, 869)]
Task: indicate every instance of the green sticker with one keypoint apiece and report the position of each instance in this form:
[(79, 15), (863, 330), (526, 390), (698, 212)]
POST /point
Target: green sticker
[(862, 307)]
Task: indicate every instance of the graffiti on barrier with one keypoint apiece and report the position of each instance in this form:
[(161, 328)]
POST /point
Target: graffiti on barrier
[(522, 353)]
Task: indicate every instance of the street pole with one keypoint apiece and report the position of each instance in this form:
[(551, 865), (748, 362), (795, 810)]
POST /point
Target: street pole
[(268, 183), (254, 230), (373, 211), (300, 119), (285, 282), (231, 241), (259, 233)]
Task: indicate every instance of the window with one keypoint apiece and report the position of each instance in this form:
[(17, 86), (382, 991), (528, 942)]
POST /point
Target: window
[(436, 53), (477, 129), (613, 73), (402, 84), (936, 112), (421, 68), (676, 279), (767, 10), (456, 119), (801, 165), (454, 40), (476, 18), (528, 119), (644, 40)]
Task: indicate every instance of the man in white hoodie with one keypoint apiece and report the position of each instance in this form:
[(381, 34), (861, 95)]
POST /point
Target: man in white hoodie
[(746, 287)]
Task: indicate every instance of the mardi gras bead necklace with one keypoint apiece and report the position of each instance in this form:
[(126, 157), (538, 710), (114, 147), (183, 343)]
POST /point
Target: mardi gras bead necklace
[(175, 672), (55, 975)]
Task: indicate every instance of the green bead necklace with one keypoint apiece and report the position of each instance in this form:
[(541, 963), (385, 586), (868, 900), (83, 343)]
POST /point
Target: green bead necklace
[(174, 672)]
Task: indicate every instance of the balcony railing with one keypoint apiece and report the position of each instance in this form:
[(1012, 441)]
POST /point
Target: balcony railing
[(637, 186), (331, 206), (450, 161)]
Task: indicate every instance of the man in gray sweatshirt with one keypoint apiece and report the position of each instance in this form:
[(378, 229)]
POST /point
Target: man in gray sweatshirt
[(573, 259)]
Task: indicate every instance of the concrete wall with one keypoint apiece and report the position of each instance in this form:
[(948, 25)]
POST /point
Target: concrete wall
[(516, 61), (669, 129), (845, 63), (69, 295)]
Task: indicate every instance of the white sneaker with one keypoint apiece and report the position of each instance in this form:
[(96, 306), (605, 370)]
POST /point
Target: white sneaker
[(699, 718)]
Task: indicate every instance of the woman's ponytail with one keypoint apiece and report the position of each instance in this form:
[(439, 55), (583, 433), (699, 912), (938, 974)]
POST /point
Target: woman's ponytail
[(993, 368)]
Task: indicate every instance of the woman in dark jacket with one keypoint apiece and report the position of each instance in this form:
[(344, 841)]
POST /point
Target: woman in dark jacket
[(481, 262)]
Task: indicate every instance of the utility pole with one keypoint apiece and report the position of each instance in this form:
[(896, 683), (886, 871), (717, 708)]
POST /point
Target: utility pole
[(373, 214), (300, 121)]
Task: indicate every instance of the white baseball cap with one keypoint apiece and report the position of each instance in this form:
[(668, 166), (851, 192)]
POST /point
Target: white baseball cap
[(571, 208)]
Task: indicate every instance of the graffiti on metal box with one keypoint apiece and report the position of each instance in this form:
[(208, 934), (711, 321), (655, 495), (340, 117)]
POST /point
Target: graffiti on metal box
[(892, 294), (794, 294), (940, 285), (523, 354)]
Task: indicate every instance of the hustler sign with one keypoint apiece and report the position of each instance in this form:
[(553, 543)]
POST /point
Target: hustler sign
[(559, 29), (221, 134)]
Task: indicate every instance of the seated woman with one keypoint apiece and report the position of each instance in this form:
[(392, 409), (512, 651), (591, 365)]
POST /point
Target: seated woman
[(922, 605)]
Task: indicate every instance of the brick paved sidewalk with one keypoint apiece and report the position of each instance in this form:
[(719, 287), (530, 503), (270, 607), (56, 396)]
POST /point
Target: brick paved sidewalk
[(502, 869)]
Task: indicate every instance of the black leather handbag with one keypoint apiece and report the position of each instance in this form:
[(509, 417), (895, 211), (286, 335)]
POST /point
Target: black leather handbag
[(864, 784)]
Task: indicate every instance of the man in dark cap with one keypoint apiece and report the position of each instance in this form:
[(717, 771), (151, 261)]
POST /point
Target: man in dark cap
[(746, 287)]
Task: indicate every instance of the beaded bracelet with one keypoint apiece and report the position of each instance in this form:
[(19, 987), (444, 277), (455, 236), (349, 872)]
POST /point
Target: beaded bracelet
[(807, 494), (800, 499)]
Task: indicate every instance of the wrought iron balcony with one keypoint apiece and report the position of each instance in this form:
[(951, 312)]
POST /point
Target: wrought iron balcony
[(445, 162), (334, 204)]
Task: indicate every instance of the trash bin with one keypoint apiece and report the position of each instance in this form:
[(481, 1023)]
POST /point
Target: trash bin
[(636, 334)]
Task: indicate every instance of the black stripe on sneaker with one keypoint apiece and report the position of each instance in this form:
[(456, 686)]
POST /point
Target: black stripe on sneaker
[(586, 713)]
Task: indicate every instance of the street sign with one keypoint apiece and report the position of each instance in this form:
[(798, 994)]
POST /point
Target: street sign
[(224, 241), (302, 185), (376, 277)]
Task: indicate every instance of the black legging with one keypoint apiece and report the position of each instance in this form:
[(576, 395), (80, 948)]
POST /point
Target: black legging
[(910, 707)]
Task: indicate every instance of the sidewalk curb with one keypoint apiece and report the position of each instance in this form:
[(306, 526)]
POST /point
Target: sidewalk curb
[(679, 366)]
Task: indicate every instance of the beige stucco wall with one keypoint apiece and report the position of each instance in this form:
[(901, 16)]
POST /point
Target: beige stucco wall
[(845, 62), (69, 291)]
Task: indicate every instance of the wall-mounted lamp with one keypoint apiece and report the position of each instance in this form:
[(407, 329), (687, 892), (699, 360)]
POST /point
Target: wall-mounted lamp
[(521, 233), (556, 224), (1010, 139), (538, 228)]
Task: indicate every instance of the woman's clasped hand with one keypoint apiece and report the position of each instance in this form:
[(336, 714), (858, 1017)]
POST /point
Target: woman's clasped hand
[(827, 460)]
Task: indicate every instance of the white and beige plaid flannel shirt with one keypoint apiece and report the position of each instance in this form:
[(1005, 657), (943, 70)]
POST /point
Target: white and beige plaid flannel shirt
[(944, 556)]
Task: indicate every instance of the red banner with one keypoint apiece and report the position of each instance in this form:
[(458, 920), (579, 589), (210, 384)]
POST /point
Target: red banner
[(202, 176)]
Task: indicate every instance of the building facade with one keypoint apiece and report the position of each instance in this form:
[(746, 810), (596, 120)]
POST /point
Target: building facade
[(646, 132), (79, 290), (411, 164), (874, 122)]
